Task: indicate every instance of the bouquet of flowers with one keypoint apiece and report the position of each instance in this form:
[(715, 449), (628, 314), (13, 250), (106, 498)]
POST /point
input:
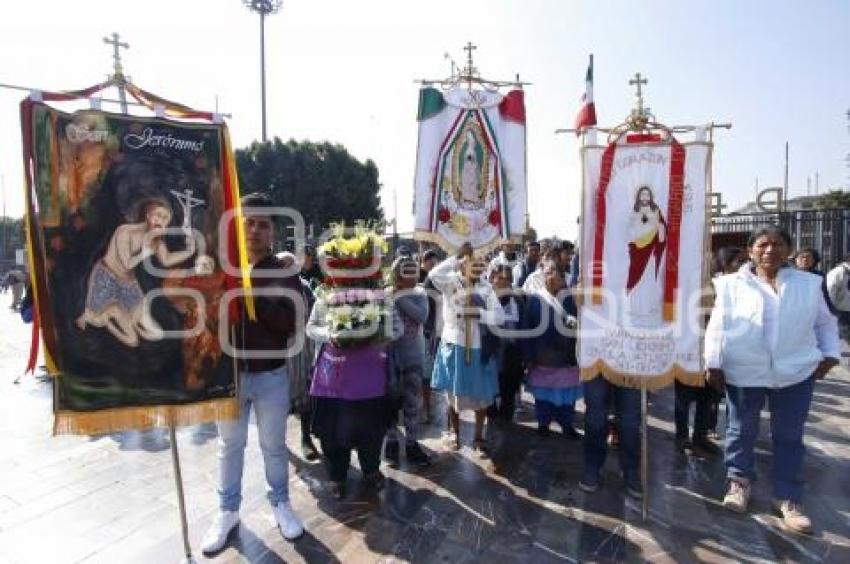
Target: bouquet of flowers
[(351, 297)]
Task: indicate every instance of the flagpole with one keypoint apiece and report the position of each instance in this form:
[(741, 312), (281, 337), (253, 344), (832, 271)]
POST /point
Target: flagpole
[(172, 432), (644, 454)]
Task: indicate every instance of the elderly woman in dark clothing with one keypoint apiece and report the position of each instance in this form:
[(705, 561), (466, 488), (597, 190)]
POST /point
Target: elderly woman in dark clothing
[(550, 358)]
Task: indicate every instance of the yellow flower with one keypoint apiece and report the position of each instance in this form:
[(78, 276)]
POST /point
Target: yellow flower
[(348, 247), (329, 247)]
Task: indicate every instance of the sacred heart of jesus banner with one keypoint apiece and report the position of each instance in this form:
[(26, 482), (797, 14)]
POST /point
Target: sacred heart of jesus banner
[(470, 181), (123, 216), (643, 236)]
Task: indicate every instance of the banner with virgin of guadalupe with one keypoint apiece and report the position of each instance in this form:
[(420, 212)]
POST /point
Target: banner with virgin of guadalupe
[(123, 224), (643, 247), (470, 183)]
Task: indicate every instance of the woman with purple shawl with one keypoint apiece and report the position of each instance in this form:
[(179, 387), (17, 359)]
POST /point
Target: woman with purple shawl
[(352, 409)]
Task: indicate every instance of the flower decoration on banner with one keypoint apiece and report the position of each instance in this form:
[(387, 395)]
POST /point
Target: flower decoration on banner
[(495, 218), (444, 215), (351, 297)]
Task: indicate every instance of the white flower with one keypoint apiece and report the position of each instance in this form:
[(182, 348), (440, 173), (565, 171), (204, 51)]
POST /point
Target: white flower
[(371, 312)]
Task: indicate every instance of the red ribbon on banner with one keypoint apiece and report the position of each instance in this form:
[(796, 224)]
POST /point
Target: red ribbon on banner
[(674, 224), (596, 267)]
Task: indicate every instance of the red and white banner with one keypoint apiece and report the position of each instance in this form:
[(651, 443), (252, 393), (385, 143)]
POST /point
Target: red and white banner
[(642, 260)]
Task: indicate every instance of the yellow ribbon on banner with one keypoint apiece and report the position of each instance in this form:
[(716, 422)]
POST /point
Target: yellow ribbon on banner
[(233, 187), (36, 298)]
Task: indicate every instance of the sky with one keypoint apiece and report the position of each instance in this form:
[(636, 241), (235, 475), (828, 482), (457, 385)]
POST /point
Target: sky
[(344, 71)]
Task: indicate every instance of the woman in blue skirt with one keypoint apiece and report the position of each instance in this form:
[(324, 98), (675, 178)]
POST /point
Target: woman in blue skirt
[(469, 383)]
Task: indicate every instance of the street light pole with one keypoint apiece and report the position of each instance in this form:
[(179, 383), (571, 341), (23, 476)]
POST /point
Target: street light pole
[(263, 69), (264, 8)]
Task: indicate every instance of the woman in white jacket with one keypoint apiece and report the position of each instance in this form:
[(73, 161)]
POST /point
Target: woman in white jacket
[(474, 384), (770, 336)]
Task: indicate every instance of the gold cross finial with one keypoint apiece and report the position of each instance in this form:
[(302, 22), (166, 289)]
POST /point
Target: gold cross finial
[(640, 111), (638, 80), (116, 53), (470, 70)]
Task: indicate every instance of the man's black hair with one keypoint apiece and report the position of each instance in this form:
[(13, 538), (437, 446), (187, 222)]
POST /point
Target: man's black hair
[(257, 200)]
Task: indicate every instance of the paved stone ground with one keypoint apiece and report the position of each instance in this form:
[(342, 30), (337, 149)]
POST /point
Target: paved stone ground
[(112, 499)]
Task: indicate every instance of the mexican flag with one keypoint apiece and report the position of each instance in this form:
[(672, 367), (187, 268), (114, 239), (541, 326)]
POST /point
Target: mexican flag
[(470, 182), (587, 114)]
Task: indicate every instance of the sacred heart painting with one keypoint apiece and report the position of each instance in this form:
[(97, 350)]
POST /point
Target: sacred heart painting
[(125, 230)]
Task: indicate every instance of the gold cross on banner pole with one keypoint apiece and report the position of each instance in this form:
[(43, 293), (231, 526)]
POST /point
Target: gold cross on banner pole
[(638, 81), (118, 71), (116, 52), (470, 71)]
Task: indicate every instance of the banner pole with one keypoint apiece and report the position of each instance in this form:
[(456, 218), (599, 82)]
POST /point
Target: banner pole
[(468, 321), (178, 480), (644, 452)]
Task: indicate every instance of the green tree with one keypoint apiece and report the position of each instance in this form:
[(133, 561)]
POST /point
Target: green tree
[(11, 237), (320, 180), (834, 199)]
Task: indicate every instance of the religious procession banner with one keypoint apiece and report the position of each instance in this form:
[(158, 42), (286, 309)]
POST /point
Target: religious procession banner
[(123, 224), (642, 256), (470, 183)]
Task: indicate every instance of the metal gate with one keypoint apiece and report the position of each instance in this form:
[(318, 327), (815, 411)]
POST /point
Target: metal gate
[(828, 231)]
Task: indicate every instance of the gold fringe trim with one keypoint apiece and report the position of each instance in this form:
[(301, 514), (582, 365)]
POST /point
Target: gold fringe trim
[(431, 237), (596, 295), (625, 380), (119, 419)]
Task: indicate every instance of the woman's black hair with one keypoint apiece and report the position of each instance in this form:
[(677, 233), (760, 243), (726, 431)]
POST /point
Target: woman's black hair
[(769, 230), (502, 269), (815, 255), (724, 257)]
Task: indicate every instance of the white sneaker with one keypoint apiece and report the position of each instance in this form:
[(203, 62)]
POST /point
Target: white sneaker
[(793, 517), (287, 521), (216, 536), (738, 495)]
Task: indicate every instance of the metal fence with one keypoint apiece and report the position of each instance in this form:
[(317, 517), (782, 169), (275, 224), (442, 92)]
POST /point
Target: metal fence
[(828, 231)]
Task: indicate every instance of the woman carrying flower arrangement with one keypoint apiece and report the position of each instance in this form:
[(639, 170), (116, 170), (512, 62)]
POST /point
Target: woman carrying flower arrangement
[(352, 325), (469, 383)]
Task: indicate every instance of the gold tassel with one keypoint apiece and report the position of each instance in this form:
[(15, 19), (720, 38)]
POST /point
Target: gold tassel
[(119, 419), (669, 312), (625, 380)]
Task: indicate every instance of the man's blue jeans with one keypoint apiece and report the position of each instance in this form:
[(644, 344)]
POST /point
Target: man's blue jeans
[(268, 393), (789, 408), (627, 406)]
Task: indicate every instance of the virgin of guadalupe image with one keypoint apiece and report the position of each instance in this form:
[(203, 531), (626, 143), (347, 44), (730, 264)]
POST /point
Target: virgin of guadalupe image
[(470, 167), (114, 298), (647, 234), (470, 176)]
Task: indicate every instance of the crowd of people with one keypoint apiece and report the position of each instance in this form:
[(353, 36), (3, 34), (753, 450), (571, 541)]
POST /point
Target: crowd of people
[(458, 328), (15, 280)]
